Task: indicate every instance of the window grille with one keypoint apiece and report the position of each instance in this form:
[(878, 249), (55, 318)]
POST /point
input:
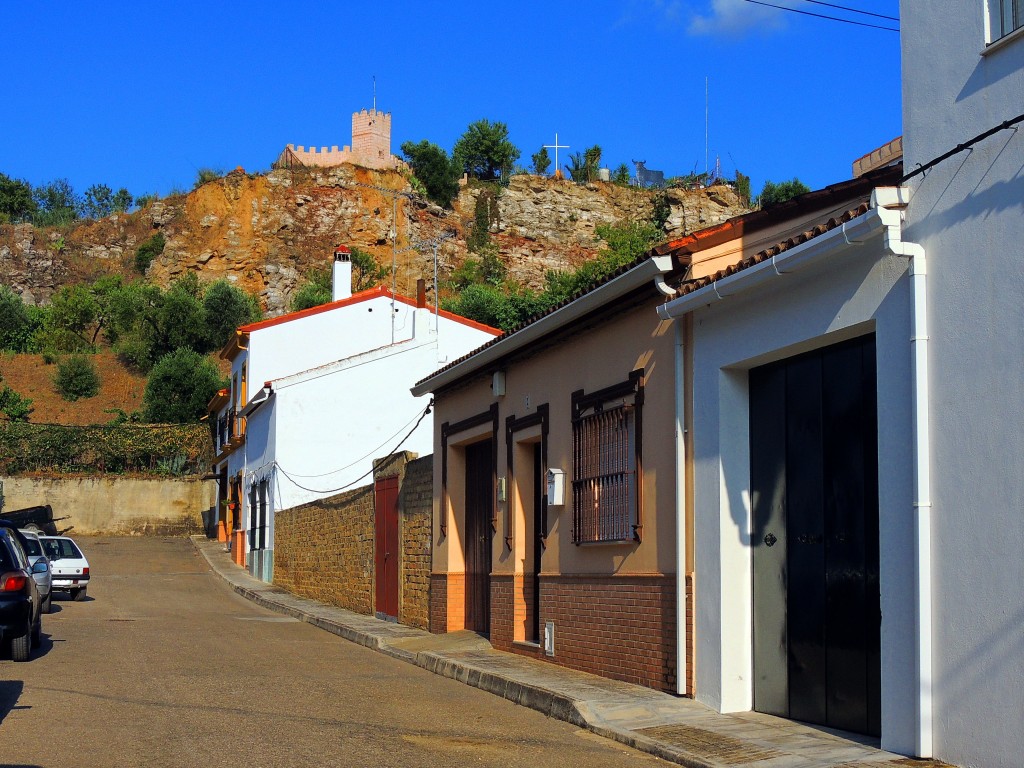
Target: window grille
[(606, 488), (258, 515), (604, 476)]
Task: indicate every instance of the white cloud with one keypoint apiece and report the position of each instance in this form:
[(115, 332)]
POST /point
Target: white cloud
[(736, 18)]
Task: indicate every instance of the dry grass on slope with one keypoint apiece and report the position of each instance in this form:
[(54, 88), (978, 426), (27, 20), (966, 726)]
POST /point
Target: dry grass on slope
[(30, 377)]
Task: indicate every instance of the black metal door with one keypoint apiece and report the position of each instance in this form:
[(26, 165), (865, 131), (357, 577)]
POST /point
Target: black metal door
[(814, 483), (479, 512)]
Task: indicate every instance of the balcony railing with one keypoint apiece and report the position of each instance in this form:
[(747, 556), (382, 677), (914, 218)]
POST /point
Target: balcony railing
[(229, 431)]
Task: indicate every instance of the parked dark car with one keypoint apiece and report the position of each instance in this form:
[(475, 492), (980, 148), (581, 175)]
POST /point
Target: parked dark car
[(20, 607)]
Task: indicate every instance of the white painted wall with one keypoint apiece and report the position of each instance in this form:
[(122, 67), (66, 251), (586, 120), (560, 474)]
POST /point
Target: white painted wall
[(320, 431), (846, 296), (968, 213)]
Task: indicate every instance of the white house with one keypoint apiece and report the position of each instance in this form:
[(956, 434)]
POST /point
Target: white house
[(963, 99), (317, 394), (857, 427)]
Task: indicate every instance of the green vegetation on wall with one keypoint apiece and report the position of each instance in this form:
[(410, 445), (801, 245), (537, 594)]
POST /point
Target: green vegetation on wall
[(107, 448)]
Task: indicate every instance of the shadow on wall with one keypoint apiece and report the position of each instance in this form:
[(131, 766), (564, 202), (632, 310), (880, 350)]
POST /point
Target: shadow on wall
[(210, 522)]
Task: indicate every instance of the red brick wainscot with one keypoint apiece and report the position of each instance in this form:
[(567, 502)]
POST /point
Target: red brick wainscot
[(620, 627)]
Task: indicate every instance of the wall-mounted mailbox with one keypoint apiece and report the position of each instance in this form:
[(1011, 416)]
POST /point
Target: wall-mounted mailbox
[(556, 487)]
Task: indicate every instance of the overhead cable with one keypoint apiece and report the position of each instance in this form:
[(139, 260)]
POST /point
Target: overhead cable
[(392, 457), (822, 16), (1006, 124)]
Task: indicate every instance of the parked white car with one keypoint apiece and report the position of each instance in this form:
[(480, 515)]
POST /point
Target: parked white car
[(44, 578), (69, 566)]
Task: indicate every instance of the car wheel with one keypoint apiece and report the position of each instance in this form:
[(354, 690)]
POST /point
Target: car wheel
[(47, 603), (78, 595), (37, 632), (21, 647)]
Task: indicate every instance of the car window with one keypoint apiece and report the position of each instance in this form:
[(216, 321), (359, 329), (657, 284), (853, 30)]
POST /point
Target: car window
[(16, 552), (32, 548), (6, 559), (60, 549)]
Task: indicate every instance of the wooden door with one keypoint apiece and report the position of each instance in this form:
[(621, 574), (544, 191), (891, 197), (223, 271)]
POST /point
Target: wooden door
[(536, 548), (386, 547), (814, 483), (479, 513)]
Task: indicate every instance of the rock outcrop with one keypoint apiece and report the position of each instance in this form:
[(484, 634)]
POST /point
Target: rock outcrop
[(265, 232)]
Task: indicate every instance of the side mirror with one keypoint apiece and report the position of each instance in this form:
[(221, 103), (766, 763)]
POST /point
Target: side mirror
[(41, 566)]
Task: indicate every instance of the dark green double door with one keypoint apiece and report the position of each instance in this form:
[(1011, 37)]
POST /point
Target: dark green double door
[(814, 483)]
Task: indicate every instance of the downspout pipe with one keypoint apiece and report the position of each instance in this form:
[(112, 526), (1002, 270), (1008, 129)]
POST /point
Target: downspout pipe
[(887, 198), (680, 437)]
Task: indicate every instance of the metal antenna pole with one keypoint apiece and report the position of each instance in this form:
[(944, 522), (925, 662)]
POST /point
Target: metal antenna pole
[(395, 194)]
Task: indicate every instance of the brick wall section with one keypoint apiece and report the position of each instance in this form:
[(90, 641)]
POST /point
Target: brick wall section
[(324, 550), (416, 513), (438, 603), (619, 627)]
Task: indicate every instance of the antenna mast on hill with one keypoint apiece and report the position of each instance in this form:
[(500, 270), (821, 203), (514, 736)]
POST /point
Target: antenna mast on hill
[(374, 93), (705, 126)]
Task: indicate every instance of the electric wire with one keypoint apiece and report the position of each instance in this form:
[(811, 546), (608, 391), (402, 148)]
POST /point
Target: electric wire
[(1005, 125), (823, 16), (853, 10), (373, 452), (392, 457)]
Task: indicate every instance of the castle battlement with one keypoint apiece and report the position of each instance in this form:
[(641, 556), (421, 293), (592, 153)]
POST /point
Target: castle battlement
[(371, 146)]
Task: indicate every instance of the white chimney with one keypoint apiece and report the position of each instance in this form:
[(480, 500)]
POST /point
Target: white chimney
[(342, 276)]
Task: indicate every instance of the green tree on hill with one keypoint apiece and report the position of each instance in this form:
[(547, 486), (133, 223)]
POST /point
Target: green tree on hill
[(541, 161), (435, 170), (56, 203), (226, 308), (485, 152), (16, 201), (773, 194), (179, 387)]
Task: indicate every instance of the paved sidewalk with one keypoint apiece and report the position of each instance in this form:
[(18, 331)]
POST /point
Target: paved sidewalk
[(676, 729)]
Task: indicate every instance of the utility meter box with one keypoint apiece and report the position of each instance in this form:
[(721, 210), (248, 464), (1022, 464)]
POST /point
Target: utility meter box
[(556, 488)]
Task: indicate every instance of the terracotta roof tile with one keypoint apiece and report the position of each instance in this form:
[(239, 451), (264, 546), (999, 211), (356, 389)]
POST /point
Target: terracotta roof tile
[(730, 229)]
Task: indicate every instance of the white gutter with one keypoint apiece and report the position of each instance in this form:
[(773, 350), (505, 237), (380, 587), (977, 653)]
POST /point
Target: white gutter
[(851, 233), (680, 429), (613, 289), (893, 219)]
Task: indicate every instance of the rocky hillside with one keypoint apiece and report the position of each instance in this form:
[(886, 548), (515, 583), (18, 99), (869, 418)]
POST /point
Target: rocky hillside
[(264, 232)]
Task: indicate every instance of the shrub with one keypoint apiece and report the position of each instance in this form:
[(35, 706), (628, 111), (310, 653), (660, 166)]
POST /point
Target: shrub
[(77, 379), (148, 251), (179, 387), (206, 175), (14, 406)]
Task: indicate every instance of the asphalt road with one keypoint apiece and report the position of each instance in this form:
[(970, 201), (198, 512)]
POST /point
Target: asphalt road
[(164, 666)]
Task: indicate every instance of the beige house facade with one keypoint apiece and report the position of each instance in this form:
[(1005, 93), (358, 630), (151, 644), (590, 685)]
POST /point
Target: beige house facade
[(563, 472)]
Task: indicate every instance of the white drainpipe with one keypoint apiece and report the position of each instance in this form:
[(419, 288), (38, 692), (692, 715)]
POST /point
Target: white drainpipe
[(680, 434), (893, 220)]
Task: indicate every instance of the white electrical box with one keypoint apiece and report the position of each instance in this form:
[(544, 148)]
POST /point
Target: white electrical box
[(556, 487)]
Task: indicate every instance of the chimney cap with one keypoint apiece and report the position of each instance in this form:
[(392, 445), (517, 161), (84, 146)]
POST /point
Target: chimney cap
[(342, 253)]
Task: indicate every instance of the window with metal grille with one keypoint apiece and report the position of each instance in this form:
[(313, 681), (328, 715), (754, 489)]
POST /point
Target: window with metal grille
[(606, 463), (258, 515)]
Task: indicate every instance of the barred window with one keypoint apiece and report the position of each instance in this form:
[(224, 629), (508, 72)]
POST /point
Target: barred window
[(606, 463)]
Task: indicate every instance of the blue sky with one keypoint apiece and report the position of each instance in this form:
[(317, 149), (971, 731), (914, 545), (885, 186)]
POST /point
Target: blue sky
[(141, 95)]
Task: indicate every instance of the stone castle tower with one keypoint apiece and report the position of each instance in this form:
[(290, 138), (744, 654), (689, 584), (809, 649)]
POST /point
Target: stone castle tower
[(371, 146)]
